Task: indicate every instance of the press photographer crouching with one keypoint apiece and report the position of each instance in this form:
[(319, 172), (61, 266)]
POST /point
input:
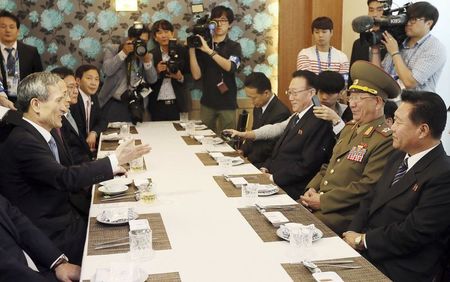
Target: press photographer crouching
[(169, 96), (129, 71)]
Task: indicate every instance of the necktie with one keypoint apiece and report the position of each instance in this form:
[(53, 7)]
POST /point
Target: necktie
[(88, 114), (296, 120), (400, 171), (11, 62), (72, 122), (54, 149)]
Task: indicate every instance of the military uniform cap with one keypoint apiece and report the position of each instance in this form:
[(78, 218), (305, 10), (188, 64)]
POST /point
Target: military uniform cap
[(371, 79)]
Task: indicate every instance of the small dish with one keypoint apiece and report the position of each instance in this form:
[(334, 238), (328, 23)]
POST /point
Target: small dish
[(117, 181), (113, 189), (284, 231), (117, 216)]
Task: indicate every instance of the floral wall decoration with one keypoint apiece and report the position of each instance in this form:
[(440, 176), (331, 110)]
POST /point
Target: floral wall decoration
[(73, 32)]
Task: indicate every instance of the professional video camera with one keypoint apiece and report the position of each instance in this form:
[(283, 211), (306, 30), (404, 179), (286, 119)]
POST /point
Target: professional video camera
[(173, 62), (203, 27), (390, 22), (140, 46), (134, 98)]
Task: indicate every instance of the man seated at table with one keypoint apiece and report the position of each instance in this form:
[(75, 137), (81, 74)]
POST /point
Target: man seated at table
[(330, 84), (402, 227), (268, 109), (19, 234), (361, 151), (33, 178), (305, 142)]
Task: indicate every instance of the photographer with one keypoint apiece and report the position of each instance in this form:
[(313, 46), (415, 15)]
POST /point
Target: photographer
[(419, 61), (128, 68), (217, 65), (169, 94)]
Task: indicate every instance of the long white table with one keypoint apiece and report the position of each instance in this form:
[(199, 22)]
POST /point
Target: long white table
[(210, 239)]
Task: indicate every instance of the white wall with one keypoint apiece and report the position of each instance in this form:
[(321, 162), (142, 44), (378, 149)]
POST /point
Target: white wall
[(354, 8)]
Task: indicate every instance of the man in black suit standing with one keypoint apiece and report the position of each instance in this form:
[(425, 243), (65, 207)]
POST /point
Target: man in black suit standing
[(34, 177), (268, 109), (18, 233), (305, 142), (402, 227), (170, 91), (17, 60), (86, 111)]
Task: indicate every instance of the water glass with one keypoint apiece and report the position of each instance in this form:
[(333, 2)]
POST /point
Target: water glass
[(184, 117), (141, 247), (190, 128), (300, 241), (124, 131), (250, 193), (225, 164), (208, 144)]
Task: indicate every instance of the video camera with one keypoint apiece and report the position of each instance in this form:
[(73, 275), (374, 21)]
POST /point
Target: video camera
[(140, 46), (390, 22), (203, 27)]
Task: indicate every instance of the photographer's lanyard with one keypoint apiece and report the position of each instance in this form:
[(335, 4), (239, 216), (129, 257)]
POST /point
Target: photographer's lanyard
[(135, 67), (416, 48), (318, 60), (13, 80)]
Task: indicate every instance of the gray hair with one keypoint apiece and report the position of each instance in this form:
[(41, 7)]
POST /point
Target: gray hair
[(35, 86)]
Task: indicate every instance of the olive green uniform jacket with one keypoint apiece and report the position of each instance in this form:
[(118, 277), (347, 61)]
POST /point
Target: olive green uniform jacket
[(358, 159)]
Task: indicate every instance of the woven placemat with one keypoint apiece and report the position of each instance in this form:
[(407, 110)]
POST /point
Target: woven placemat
[(190, 141), (111, 145), (98, 196), (230, 191), (267, 232), (160, 277), (99, 232), (207, 160), (110, 130), (178, 126), (367, 273)]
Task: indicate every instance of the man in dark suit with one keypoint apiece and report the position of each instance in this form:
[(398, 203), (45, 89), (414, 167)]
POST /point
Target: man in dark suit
[(268, 109), (170, 93), (402, 227), (86, 111), (19, 234), (35, 178), (305, 142), (17, 60)]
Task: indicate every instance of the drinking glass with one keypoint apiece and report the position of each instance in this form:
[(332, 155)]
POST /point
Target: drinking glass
[(124, 131), (225, 164), (208, 144), (184, 117), (300, 241), (190, 128), (141, 244), (250, 193), (137, 165)]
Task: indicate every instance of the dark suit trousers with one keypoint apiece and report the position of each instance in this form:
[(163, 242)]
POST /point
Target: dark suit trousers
[(160, 111)]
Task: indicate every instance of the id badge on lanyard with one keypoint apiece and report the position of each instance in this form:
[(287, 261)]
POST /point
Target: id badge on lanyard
[(13, 80)]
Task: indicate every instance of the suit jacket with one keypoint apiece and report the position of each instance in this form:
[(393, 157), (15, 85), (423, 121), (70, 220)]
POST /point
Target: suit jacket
[(259, 151), (406, 224), (180, 88), (96, 121), (77, 146), (18, 233), (29, 62), (344, 182), (38, 185), (299, 153), (116, 73)]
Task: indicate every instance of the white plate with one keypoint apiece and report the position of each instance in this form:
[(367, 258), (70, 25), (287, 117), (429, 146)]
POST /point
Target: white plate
[(117, 181), (113, 189), (283, 231), (112, 218), (267, 190)]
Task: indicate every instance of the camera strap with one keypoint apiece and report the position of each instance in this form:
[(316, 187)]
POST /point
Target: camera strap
[(319, 64)]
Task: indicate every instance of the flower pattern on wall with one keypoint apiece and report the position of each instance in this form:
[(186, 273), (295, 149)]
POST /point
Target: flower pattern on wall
[(73, 32)]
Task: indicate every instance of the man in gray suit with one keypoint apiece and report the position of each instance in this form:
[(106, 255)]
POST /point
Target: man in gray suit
[(126, 71)]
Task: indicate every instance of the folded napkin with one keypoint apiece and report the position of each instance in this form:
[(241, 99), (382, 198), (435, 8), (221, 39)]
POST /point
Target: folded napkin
[(116, 124), (112, 136), (216, 155), (120, 272), (116, 215)]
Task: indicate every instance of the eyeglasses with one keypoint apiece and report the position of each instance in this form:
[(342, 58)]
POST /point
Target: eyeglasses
[(294, 93), (356, 97), (414, 20), (221, 21)]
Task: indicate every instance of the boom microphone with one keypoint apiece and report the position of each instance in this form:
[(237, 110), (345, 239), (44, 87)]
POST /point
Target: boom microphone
[(362, 24)]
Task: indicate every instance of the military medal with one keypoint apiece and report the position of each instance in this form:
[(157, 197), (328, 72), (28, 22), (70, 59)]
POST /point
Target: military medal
[(357, 153)]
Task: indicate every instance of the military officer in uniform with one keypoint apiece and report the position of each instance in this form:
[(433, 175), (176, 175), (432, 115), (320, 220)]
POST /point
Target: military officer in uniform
[(360, 153)]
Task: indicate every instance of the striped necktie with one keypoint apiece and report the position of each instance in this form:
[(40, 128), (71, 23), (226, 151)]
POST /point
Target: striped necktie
[(11, 62), (400, 171)]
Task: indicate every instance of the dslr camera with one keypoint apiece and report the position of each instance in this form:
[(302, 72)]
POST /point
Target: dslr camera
[(392, 21), (173, 63), (135, 101), (204, 27), (140, 46)]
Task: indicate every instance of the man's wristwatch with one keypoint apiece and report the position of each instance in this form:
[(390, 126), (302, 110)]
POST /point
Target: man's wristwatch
[(359, 243), (63, 259)]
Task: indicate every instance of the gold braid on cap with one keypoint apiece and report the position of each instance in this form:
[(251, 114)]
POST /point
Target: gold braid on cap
[(364, 88)]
